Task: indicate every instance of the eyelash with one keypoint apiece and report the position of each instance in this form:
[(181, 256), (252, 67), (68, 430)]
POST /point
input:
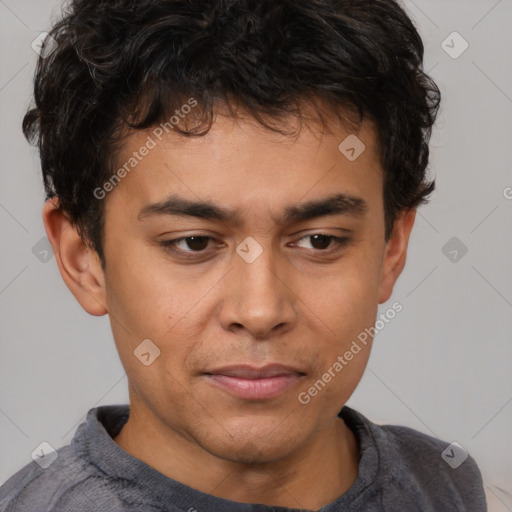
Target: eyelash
[(170, 245)]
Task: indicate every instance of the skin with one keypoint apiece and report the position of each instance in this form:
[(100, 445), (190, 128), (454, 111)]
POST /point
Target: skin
[(296, 304)]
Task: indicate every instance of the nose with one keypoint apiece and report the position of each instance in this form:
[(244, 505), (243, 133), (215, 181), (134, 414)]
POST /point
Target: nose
[(259, 297)]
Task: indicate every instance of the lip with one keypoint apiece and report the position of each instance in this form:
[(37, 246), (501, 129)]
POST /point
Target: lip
[(253, 383), (247, 371)]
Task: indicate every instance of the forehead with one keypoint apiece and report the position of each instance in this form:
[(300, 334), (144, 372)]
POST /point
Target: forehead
[(240, 164)]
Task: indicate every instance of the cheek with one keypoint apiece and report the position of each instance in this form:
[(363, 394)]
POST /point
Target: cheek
[(142, 289), (147, 300), (349, 313), (347, 301), (346, 307), (144, 304), (341, 354)]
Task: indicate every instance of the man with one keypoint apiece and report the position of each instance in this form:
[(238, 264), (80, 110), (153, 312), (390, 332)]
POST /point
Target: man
[(234, 182)]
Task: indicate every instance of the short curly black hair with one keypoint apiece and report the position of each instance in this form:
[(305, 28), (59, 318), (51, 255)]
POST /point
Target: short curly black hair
[(129, 64)]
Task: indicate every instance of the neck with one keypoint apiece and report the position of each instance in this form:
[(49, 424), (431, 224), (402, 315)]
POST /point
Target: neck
[(327, 464)]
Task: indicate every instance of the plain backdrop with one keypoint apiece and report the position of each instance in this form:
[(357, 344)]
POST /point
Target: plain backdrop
[(442, 366)]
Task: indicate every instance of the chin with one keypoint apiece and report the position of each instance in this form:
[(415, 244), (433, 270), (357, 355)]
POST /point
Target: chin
[(253, 446)]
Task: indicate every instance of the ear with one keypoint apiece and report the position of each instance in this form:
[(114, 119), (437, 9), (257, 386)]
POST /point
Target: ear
[(79, 265), (396, 252)]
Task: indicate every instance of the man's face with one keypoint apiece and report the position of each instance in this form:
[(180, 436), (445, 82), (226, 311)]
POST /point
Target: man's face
[(300, 303)]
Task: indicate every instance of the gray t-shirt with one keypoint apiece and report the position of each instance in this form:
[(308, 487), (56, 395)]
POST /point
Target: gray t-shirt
[(400, 469)]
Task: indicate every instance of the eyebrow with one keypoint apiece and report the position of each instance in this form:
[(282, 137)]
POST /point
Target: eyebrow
[(336, 204)]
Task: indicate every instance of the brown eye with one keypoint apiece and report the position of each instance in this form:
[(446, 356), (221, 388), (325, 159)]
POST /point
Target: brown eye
[(197, 243), (188, 244), (321, 241)]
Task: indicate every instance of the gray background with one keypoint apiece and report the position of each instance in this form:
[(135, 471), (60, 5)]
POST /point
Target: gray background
[(442, 366)]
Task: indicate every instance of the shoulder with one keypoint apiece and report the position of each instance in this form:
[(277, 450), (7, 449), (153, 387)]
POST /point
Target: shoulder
[(440, 474), (68, 483), (77, 476)]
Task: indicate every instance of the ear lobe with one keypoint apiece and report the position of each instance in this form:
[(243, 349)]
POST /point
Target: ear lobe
[(78, 264), (396, 253)]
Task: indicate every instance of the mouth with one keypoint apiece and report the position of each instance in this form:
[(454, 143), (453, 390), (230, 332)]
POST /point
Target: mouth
[(252, 383)]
